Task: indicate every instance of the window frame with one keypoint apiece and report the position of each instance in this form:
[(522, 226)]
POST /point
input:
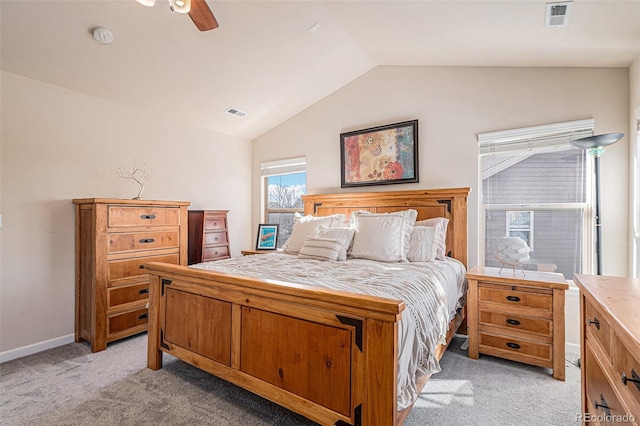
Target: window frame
[(536, 139)]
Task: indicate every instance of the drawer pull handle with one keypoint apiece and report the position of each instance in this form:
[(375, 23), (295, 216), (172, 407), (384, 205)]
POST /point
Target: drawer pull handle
[(144, 291), (146, 240), (143, 316), (215, 239), (513, 345), (603, 404), (635, 379), (147, 216), (141, 267), (594, 321), (513, 298), (513, 322)]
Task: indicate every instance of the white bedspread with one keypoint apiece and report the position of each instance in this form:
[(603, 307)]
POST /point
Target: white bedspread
[(431, 292)]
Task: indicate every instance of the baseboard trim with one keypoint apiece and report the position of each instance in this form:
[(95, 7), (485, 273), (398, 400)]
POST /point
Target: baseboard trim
[(36, 347)]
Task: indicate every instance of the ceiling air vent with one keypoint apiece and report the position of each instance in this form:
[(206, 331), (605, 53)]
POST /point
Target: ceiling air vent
[(235, 112), (557, 14)]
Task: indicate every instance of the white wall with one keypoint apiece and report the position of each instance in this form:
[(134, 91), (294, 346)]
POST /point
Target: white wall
[(58, 145), (634, 162), (453, 105)]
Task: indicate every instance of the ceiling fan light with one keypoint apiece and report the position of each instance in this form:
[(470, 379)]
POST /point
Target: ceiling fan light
[(180, 6), (147, 2)]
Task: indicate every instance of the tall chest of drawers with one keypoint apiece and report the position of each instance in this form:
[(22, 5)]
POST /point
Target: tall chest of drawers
[(114, 238), (517, 316), (610, 349), (208, 235)]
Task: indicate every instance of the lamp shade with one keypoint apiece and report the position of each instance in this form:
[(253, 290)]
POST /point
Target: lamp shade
[(597, 141), (148, 3)]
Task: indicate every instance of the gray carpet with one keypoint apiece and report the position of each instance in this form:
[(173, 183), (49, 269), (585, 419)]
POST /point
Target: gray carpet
[(70, 385)]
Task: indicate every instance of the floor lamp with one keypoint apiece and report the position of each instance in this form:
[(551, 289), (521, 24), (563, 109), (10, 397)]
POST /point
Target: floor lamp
[(595, 147)]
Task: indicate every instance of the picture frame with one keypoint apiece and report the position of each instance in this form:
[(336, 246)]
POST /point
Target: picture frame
[(380, 155), (267, 237)]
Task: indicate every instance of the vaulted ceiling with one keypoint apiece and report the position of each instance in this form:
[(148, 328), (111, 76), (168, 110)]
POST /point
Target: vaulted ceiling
[(263, 60)]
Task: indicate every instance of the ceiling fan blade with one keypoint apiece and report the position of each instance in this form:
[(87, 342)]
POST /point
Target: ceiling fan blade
[(202, 16)]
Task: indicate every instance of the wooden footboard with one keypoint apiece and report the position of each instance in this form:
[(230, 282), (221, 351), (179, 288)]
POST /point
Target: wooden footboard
[(328, 355)]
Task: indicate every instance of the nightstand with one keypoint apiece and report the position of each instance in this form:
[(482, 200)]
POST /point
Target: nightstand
[(517, 316), (250, 252)]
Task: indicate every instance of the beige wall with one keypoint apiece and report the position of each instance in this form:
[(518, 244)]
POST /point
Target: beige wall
[(453, 105), (634, 161), (57, 145)]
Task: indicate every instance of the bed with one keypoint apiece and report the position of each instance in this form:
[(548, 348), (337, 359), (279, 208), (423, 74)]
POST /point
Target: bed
[(328, 354)]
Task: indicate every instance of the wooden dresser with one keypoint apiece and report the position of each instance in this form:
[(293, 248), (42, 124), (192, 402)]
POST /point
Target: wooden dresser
[(610, 349), (208, 235), (114, 238), (517, 317)]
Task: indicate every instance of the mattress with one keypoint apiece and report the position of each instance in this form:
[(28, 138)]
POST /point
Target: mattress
[(432, 291)]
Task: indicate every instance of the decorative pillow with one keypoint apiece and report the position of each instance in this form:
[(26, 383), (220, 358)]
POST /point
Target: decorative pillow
[(382, 236), (441, 234), (423, 245), (307, 226), (321, 249), (341, 234)]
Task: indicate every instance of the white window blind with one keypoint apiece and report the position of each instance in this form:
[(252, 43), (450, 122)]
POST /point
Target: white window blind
[(536, 138), (281, 167)]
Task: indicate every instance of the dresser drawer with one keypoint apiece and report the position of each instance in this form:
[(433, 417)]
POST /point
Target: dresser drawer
[(597, 388), (212, 238), (628, 364), (595, 322), (213, 253), (515, 299), (517, 349), (128, 268), (537, 326), (127, 320), (214, 222), (123, 242), (123, 216), (126, 294)]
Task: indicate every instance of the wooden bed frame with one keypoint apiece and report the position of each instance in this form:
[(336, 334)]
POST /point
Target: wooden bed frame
[(328, 355)]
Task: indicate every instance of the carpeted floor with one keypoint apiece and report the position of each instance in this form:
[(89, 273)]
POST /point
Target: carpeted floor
[(70, 385)]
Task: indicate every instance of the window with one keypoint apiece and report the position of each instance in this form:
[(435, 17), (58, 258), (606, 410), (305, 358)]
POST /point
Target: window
[(284, 184), (535, 186), (520, 224)]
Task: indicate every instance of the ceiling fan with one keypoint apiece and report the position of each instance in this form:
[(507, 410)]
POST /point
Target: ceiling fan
[(198, 11)]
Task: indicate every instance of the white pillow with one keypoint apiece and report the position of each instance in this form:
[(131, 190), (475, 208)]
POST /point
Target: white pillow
[(306, 227), (441, 234), (423, 245), (321, 249), (340, 234), (382, 236)]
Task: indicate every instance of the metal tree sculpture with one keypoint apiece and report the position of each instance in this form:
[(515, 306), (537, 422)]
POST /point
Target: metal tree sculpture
[(137, 175)]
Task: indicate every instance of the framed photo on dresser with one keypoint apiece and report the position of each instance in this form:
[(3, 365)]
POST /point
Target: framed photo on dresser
[(267, 237)]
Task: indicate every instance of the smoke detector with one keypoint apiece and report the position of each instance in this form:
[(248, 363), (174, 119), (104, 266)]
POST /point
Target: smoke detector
[(558, 14), (102, 35)]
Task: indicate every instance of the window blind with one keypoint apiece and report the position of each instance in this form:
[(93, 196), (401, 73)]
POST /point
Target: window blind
[(536, 138), (281, 167)]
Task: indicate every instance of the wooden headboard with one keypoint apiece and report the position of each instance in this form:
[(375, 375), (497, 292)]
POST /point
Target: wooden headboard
[(450, 203)]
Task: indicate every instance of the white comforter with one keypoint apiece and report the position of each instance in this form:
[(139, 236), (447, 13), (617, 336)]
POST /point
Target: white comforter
[(431, 292)]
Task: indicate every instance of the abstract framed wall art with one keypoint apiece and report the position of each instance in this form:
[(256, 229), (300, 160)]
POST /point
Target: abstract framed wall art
[(267, 237), (380, 155)]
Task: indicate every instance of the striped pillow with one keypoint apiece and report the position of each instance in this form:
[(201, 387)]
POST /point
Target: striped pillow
[(320, 249)]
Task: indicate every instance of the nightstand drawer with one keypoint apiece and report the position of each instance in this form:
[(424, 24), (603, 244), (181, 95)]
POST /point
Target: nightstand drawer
[(515, 299), (120, 216), (124, 242), (212, 238), (214, 221), (536, 326), (595, 322), (213, 253), (516, 349)]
